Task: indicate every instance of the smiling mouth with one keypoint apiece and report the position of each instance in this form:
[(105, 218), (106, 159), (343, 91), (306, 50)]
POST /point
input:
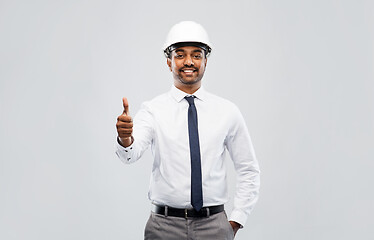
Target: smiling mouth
[(188, 70)]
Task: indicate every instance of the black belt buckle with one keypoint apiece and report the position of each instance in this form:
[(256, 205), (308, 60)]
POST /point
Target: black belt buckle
[(166, 211), (207, 210), (204, 212)]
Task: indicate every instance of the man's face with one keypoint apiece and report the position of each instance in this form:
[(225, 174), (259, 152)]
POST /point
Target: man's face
[(187, 64)]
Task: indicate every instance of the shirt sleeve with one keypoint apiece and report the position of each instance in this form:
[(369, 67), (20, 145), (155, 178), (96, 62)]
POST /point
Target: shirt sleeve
[(143, 134), (241, 151)]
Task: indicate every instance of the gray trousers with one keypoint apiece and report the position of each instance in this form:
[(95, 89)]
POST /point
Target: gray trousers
[(215, 227)]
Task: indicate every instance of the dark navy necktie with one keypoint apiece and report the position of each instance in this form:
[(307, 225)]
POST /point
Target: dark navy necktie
[(196, 186)]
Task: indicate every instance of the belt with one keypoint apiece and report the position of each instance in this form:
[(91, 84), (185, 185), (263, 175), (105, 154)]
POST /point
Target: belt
[(186, 213)]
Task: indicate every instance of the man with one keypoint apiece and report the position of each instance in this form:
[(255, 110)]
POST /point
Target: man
[(189, 131)]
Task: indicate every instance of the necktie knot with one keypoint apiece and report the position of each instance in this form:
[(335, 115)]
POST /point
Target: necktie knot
[(190, 100)]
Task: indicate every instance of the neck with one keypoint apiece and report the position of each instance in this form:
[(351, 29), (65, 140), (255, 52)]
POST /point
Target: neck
[(190, 89)]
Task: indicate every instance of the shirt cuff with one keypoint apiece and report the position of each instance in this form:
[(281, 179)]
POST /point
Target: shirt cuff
[(239, 217), (125, 153)]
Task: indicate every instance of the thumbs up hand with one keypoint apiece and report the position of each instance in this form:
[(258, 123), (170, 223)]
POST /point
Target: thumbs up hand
[(124, 125)]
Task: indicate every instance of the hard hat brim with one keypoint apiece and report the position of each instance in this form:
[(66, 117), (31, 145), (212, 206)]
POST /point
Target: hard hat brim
[(177, 45)]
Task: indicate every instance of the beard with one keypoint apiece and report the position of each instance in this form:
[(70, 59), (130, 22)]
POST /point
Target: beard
[(189, 80)]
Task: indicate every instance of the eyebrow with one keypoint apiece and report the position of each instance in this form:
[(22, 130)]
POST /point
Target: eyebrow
[(197, 50)]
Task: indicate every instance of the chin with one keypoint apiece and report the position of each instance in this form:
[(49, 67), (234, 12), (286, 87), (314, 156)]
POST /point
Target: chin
[(189, 82)]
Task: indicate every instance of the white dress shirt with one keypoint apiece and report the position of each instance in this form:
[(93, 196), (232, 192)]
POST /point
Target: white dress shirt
[(162, 123)]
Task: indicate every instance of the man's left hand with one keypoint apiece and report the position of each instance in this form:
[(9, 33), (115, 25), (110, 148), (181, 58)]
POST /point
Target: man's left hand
[(235, 226)]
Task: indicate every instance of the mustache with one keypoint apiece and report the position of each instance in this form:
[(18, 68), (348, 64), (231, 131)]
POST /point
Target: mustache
[(184, 68)]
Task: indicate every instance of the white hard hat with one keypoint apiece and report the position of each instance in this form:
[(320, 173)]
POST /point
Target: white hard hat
[(187, 32)]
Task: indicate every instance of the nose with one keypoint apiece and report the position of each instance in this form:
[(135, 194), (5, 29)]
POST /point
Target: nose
[(188, 61)]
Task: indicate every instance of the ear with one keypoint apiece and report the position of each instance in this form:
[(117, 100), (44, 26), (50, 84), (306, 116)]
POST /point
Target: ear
[(206, 60), (168, 62)]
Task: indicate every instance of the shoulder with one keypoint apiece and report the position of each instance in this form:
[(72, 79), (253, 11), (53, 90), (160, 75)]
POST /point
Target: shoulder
[(223, 103), (150, 108), (156, 102)]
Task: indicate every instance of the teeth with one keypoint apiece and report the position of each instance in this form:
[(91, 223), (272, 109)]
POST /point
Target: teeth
[(188, 71)]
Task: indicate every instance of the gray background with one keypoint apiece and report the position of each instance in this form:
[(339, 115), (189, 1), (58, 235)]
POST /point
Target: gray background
[(300, 71)]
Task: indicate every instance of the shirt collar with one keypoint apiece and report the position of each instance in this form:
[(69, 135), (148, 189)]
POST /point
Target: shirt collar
[(179, 95)]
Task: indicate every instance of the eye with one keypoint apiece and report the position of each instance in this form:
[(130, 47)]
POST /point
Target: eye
[(179, 56), (198, 56)]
